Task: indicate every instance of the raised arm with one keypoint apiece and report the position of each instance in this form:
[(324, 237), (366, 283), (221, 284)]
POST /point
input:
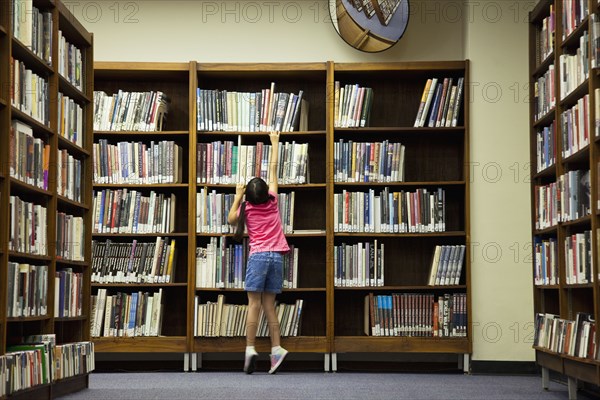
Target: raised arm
[(232, 217), (273, 185)]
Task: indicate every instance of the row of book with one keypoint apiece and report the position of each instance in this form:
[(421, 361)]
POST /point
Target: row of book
[(545, 93), (29, 156), (69, 171), (545, 36), (68, 293), (29, 162), (574, 68), (38, 360), (546, 147), (222, 264), (416, 314), (70, 119), (578, 258), (567, 199), (135, 262), (545, 261), (440, 103), (574, 12), (447, 264), (28, 227), (127, 211), (264, 111), (70, 62), (30, 92), (126, 314), (70, 237), (33, 28), (352, 105), (574, 124), (219, 319), (27, 290), (390, 212), (212, 210), (574, 338), (368, 162), (137, 162), (227, 163), (359, 264), (130, 111)]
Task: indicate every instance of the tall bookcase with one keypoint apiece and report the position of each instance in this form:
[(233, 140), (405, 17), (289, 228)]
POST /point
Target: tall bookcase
[(63, 59), (563, 60), (176, 81), (333, 318)]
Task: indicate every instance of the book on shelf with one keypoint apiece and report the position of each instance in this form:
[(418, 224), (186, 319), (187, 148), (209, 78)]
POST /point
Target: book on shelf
[(446, 265), (28, 227), (130, 111), (127, 314), (368, 162), (68, 293), (135, 262), (30, 93), (440, 103), (29, 157), (352, 105), (264, 111), (27, 290), (359, 264), (221, 319), (138, 162)]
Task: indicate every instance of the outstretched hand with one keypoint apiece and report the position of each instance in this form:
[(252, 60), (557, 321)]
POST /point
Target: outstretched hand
[(240, 188), (274, 136)]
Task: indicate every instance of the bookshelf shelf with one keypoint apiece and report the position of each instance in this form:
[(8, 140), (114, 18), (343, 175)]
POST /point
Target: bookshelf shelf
[(401, 130), (70, 203), (399, 288), (581, 156), (141, 186), (27, 188), (410, 184), (383, 344), (299, 344), (22, 53), (72, 148), (141, 344), (134, 235), (571, 99), (225, 290), (31, 257), (549, 172), (137, 285), (68, 89), (546, 119), (546, 231), (543, 67), (140, 133), (261, 134), (28, 319), (71, 319), (573, 38), (38, 127), (401, 235), (80, 264)]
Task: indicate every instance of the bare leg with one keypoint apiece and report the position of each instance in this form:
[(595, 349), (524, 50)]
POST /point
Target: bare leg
[(254, 301), (268, 304)]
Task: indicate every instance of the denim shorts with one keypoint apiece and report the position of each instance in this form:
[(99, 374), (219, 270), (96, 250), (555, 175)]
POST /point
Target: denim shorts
[(264, 272)]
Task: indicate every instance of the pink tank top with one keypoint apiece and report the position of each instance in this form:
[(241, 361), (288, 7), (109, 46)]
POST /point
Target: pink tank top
[(264, 226)]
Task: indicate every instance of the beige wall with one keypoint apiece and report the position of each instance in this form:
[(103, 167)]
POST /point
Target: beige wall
[(279, 31), (496, 43)]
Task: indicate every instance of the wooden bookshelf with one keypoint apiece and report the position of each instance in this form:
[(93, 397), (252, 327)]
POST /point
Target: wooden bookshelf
[(72, 329), (332, 318), (562, 298), (435, 157)]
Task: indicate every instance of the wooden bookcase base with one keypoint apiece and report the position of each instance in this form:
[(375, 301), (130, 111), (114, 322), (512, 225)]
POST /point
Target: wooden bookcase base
[(583, 370), (55, 390)]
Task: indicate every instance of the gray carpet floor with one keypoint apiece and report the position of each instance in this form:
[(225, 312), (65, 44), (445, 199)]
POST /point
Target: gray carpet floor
[(314, 386)]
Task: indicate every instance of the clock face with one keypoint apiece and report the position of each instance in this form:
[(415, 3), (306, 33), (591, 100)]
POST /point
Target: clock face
[(370, 25)]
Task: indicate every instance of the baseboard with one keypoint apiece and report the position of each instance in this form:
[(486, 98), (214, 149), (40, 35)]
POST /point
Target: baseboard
[(505, 367)]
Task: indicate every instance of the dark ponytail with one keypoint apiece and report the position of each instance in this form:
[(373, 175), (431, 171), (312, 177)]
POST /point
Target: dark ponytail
[(239, 230)]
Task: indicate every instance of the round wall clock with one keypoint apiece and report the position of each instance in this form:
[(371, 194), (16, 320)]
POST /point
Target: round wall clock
[(370, 25)]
